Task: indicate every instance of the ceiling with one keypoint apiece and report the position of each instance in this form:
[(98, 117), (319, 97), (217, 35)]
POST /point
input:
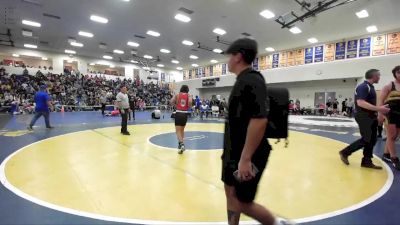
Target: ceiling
[(137, 16)]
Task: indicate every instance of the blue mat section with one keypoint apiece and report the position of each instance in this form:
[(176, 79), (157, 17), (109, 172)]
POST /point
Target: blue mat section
[(194, 140)]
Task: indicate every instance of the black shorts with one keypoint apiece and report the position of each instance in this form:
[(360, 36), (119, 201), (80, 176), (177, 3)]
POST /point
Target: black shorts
[(394, 118), (245, 191), (180, 119)]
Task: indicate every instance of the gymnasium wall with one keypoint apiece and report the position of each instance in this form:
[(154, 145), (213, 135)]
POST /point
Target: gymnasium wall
[(57, 61), (336, 70)]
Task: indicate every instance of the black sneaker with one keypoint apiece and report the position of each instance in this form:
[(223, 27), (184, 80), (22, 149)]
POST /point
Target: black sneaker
[(396, 163), (386, 157), (30, 128), (344, 158), (126, 133), (370, 165)]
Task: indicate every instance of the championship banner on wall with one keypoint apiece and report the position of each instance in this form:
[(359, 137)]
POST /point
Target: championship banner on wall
[(309, 55), (255, 64), (211, 71), (224, 69), (290, 58), (329, 52), (352, 49), (365, 47), (319, 54), (262, 62), (269, 61), (190, 74), (185, 74), (162, 76), (299, 57), (378, 45), (275, 60), (393, 43), (282, 59), (340, 50)]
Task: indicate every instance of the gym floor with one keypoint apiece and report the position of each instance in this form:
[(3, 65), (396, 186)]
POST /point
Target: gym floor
[(84, 172)]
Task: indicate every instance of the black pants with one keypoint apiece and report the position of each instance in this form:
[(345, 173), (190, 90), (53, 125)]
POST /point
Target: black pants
[(124, 122), (103, 108), (368, 130), (133, 115), (46, 116)]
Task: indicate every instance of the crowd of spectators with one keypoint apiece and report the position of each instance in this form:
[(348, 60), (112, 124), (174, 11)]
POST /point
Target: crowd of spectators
[(77, 91)]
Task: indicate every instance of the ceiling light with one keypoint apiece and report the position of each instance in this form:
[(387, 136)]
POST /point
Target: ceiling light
[(270, 49), (107, 57), (102, 46), (31, 23), (312, 40), (116, 51), (92, 64), (153, 33), (70, 51), (70, 39), (219, 31), (175, 61), (133, 61), (27, 33), (30, 46), (179, 68), (15, 55), (160, 65), (188, 43), (193, 57), (267, 14), (76, 44), (182, 18), (372, 29), (146, 68), (147, 56), (98, 19), (44, 58), (133, 44), (85, 34), (213, 61), (112, 66), (362, 14), (195, 65), (217, 50), (126, 0), (295, 30), (166, 51)]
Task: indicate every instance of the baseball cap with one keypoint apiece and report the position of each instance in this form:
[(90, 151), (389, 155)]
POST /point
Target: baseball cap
[(246, 46), (43, 87)]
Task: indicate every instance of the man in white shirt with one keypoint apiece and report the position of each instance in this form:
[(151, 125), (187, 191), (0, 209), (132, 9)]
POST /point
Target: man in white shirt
[(123, 105)]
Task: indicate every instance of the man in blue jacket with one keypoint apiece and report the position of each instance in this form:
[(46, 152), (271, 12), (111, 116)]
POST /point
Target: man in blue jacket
[(43, 105)]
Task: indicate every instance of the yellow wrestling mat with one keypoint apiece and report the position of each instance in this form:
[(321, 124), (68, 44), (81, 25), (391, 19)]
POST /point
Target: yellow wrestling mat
[(102, 174)]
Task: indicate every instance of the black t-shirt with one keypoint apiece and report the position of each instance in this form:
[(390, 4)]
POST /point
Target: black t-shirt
[(248, 99)]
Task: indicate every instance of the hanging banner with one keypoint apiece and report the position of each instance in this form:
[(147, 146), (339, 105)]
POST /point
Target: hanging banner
[(378, 45), (268, 61), (351, 49), (329, 52), (211, 71), (275, 60), (393, 46), (309, 54), (283, 59), (319, 54), (190, 74), (290, 58), (340, 50), (224, 69), (255, 64), (365, 47), (262, 62), (162, 76), (299, 57), (207, 71)]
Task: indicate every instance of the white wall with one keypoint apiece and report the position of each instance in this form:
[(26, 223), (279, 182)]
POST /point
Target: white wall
[(344, 69), (207, 93)]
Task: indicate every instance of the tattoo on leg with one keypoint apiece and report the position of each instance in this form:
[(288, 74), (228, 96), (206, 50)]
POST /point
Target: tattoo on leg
[(233, 217)]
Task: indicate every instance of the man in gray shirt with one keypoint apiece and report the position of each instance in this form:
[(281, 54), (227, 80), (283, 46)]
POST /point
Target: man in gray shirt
[(123, 105)]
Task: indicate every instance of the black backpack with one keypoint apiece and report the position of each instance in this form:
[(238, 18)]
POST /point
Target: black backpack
[(278, 125)]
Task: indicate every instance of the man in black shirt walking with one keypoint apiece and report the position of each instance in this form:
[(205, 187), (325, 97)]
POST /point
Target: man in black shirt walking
[(366, 117), (246, 150)]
